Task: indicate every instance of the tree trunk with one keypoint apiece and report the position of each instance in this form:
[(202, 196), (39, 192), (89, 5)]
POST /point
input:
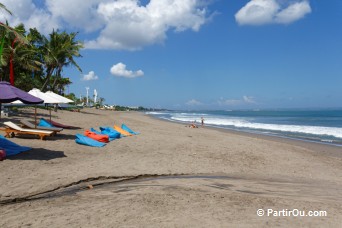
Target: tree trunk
[(58, 75), (48, 76)]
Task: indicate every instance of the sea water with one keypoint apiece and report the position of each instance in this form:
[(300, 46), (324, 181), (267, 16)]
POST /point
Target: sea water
[(324, 126)]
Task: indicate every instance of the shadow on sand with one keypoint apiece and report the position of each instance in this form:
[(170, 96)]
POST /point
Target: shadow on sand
[(39, 154)]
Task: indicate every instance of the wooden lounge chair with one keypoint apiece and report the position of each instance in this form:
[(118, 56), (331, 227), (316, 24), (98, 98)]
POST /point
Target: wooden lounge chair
[(28, 124), (11, 129)]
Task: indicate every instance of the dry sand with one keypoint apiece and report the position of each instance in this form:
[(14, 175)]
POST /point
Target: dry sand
[(168, 176)]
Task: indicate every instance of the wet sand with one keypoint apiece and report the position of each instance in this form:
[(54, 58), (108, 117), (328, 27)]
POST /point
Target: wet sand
[(168, 176)]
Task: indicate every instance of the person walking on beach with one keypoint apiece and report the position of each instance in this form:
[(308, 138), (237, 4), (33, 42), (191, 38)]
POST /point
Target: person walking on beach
[(202, 121)]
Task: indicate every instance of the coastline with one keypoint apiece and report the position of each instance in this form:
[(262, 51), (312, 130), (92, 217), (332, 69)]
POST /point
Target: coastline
[(169, 175), (319, 147), (320, 126)]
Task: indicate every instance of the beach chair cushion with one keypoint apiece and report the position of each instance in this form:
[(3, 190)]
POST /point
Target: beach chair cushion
[(44, 123), (123, 126), (100, 133), (55, 124), (122, 131), (113, 134), (84, 140), (11, 148), (96, 131), (97, 137)]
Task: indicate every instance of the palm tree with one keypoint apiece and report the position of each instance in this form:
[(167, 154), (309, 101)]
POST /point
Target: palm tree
[(59, 52), (49, 52), (2, 6), (101, 100), (72, 49), (16, 53), (9, 37), (72, 96), (60, 84)]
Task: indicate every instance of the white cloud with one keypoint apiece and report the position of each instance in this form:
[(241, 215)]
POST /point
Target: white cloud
[(24, 8), (132, 26), (26, 12), (52, 14), (248, 99), (236, 102), (193, 102), (116, 24), (76, 13), (90, 76), (121, 71), (293, 12), (228, 102), (259, 12)]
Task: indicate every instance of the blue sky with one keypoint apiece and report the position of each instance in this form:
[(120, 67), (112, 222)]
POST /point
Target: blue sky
[(188, 54)]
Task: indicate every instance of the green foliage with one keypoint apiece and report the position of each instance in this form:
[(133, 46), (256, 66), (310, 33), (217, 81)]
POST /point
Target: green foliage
[(72, 96), (26, 81), (38, 61), (121, 108), (140, 108), (58, 52)]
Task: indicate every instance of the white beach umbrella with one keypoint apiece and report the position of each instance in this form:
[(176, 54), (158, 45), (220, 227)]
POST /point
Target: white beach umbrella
[(46, 98), (37, 93), (63, 100)]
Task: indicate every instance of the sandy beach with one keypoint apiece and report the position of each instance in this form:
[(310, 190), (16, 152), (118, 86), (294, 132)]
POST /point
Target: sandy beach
[(167, 176)]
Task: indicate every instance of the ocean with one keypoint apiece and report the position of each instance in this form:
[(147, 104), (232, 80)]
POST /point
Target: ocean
[(323, 126)]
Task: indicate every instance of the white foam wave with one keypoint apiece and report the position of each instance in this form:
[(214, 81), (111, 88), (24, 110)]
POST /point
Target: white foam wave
[(244, 123), (192, 114), (154, 113)]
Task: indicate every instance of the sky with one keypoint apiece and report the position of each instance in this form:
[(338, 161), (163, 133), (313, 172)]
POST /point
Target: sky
[(199, 55)]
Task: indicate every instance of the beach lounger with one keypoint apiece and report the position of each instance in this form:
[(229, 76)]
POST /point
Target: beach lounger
[(28, 124), (96, 131), (11, 148), (100, 133), (84, 140), (122, 131), (113, 134), (97, 137), (12, 128), (123, 126)]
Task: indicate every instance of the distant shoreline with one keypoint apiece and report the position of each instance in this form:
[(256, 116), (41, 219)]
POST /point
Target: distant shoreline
[(320, 147)]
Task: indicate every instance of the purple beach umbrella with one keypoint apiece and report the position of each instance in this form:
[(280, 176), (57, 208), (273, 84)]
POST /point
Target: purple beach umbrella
[(9, 93)]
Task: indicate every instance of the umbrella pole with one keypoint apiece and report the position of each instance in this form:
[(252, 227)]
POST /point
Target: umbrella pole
[(0, 111), (35, 116), (50, 114)]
